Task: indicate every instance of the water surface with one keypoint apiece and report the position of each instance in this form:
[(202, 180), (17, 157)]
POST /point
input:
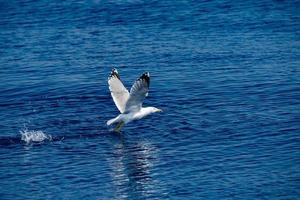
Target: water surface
[(225, 73)]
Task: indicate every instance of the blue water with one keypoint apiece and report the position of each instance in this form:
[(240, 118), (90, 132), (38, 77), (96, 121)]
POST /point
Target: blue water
[(226, 74)]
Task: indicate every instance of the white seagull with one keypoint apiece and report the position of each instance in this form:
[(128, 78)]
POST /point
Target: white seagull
[(129, 103)]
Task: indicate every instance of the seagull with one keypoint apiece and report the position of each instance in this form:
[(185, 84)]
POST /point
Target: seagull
[(129, 103)]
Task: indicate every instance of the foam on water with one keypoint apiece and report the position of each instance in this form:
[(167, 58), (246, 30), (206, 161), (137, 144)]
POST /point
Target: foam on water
[(29, 136)]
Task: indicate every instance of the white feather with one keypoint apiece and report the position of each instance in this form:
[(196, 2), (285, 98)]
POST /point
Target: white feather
[(129, 104)]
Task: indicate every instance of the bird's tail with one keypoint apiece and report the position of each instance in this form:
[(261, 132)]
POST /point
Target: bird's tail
[(112, 121)]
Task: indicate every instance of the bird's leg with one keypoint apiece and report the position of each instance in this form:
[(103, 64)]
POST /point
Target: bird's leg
[(119, 126)]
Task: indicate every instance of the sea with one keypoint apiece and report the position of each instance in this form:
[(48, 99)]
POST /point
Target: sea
[(225, 73)]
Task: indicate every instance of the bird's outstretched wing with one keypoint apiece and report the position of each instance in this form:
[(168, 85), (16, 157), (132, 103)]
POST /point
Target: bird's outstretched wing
[(138, 92), (118, 92)]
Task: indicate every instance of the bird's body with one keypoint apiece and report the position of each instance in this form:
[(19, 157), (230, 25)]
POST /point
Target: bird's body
[(129, 103), (128, 117)]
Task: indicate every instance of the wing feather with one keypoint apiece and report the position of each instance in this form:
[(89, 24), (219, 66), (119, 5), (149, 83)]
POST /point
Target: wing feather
[(118, 92), (138, 93)]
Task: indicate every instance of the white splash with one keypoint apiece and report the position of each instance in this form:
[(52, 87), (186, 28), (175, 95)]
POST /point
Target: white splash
[(34, 136)]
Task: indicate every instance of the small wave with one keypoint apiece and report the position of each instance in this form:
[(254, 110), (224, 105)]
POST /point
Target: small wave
[(29, 136)]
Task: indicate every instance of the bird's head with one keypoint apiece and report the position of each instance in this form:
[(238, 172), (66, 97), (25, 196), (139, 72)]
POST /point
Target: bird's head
[(156, 110)]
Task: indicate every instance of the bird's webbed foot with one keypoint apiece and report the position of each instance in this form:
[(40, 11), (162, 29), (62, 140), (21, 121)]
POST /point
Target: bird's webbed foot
[(119, 127)]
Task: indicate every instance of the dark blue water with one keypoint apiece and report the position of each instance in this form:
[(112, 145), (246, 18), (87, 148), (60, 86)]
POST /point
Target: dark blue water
[(226, 74)]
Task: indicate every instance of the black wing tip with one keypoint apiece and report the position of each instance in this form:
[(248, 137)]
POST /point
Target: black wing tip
[(146, 76), (114, 73)]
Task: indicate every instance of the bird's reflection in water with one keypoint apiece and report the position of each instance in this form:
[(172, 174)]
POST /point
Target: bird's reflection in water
[(132, 165)]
